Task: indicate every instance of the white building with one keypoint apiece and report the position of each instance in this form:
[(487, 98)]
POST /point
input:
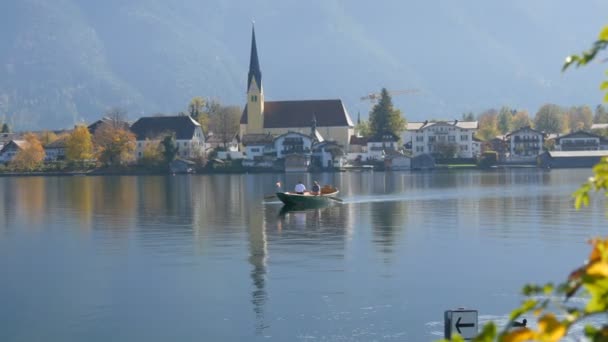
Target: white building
[(424, 137), (11, 149), (381, 145), (524, 144), (580, 141), (189, 136)]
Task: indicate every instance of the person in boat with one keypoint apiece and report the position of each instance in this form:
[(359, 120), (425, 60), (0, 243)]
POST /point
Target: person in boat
[(316, 189), (300, 188)]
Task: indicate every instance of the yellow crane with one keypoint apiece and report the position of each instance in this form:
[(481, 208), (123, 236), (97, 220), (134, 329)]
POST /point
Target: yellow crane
[(373, 97)]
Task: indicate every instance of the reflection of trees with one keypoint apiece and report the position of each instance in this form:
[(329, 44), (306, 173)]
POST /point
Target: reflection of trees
[(78, 194), (387, 221), (31, 198)]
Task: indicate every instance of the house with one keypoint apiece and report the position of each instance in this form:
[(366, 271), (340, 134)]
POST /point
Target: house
[(279, 117), (497, 144), (222, 141), (570, 159), (427, 137), (381, 144), (106, 120), (397, 161), (189, 136), (258, 145), (357, 149), (327, 155), (580, 141), (524, 144), (11, 149), (55, 151)]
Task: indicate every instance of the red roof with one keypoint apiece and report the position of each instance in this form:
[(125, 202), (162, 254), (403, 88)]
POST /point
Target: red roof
[(286, 114)]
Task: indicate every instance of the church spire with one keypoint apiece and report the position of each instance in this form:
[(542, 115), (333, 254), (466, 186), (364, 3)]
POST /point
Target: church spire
[(254, 63)]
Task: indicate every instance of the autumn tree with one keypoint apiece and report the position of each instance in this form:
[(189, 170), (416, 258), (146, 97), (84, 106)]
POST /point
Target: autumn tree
[(225, 123), (601, 114), (521, 119), (488, 125), (115, 144), (445, 150), (152, 155), (550, 119), (47, 137), (79, 145), (505, 120), (384, 118), (579, 118), (362, 128), (30, 156)]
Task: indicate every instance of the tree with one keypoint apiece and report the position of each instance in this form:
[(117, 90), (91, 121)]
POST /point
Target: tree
[(488, 125), (152, 154), (601, 114), (446, 150), (115, 145), (5, 128), (505, 120), (579, 118), (196, 107), (362, 129), (47, 137), (79, 146), (117, 117), (225, 123), (30, 156), (170, 147), (384, 118), (468, 116), (521, 119), (550, 119)]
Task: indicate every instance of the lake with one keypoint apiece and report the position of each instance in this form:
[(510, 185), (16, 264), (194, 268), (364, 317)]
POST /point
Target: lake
[(206, 258)]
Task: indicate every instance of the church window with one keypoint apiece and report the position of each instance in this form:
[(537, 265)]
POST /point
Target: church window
[(254, 98)]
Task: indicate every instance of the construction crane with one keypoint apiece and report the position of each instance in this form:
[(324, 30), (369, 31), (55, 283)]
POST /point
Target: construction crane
[(373, 97)]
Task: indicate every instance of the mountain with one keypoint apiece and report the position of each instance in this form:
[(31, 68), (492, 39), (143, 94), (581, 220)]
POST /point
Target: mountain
[(68, 61)]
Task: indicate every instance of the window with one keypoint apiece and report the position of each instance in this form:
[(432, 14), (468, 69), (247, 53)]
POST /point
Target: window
[(451, 138), (464, 137), (420, 138), (254, 98), (432, 139), (185, 144), (255, 150)]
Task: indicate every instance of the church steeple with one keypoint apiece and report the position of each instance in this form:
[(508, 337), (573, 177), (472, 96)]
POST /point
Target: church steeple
[(254, 63)]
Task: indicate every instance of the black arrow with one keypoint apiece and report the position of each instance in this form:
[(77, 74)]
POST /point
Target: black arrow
[(463, 325)]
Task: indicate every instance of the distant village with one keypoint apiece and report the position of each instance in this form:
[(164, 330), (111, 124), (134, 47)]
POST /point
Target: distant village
[(296, 136)]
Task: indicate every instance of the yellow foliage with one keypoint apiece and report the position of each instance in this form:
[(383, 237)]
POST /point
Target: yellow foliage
[(79, 146), (30, 156)]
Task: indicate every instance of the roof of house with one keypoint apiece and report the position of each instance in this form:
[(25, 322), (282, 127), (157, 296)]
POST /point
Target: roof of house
[(526, 128), (572, 154), (19, 144), (599, 126), (58, 143), (287, 114), (578, 134), (95, 125), (257, 139), (154, 126), (415, 126), (355, 140), (220, 138)]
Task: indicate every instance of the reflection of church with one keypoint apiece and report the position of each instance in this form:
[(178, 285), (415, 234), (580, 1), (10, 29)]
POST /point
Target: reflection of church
[(261, 117)]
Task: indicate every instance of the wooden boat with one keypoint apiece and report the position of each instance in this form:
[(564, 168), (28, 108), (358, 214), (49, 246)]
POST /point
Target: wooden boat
[(307, 199)]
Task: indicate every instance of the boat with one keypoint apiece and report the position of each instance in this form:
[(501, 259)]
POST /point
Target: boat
[(307, 199)]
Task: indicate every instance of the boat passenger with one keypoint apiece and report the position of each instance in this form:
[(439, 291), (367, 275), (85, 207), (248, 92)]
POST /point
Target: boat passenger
[(316, 189), (300, 188)]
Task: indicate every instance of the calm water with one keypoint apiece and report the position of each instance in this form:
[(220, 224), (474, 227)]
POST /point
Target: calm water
[(204, 258)]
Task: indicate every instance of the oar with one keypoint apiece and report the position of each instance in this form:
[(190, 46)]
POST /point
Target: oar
[(336, 199), (270, 196)]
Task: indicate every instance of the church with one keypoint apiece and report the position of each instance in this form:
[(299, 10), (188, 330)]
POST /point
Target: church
[(274, 118)]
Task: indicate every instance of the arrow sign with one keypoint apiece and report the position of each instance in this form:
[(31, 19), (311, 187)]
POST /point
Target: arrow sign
[(460, 321), (463, 325)]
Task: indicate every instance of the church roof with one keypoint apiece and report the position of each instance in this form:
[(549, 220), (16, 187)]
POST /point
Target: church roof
[(254, 63), (287, 114)]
